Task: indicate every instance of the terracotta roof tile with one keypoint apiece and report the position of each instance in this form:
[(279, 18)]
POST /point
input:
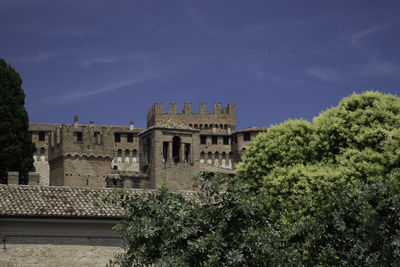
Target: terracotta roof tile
[(173, 125), (253, 129), (60, 201), (52, 201)]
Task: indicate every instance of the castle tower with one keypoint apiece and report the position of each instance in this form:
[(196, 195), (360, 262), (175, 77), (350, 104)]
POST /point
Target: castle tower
[(170, 155)]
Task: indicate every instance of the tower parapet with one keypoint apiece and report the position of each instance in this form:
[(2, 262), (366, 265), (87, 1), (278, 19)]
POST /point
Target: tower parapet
[(219, 121)]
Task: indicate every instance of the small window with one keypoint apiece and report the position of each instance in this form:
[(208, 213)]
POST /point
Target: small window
[(165, 151), (226, 140), (127, 153), (78, 136), (130, 138), (41, 136), (115, 167), (97, 137), (117, 137), (246, 136), (203, 139), (215, 140), (119, 153)]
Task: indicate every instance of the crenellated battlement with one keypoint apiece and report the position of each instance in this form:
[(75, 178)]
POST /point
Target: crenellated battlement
[(225, 116)]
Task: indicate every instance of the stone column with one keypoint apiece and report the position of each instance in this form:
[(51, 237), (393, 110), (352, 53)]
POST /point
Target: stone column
[(170, 152), (182, 152)]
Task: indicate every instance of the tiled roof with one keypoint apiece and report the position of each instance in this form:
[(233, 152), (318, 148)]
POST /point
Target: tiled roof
[(252, 129), (61, 201), (172, 125), (52, 201)]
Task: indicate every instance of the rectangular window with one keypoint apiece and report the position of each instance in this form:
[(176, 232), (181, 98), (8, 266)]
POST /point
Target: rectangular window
[(117, 137), (41, 136), (203, 139), (130, 138), (215, 140), (246, 136), (226, 140), (78, 136)]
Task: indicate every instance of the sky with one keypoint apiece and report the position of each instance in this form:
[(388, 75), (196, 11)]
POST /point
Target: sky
[(110, 61)]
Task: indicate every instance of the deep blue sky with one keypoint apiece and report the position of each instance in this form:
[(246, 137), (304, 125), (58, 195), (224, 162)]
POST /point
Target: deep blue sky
[(111, 60)]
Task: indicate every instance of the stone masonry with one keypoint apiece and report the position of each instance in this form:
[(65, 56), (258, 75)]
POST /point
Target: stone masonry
[(171, 150)]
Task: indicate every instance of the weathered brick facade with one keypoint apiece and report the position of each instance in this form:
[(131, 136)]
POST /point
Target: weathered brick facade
[(171, 150)]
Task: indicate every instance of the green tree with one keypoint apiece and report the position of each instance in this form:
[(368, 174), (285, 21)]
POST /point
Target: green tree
[(333, 185), (16, 147), (216, 226), (306, 194)]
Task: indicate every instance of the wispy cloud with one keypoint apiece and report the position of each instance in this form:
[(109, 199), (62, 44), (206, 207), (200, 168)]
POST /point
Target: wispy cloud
[(42, 56), (373, 68), (326, 74), (88, 61), (356, 38), (111, 87), (379, 68), (147, 75)]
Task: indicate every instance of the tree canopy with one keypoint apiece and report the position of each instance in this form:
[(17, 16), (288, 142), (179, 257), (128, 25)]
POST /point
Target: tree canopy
[(320, 193), (16, 147)]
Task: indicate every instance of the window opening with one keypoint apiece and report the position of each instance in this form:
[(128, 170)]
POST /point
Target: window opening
[(226, 140), (176, 145), (130, 138), (187, 152), (41, 136), (203, 139), (165, 151), (78, 136), (215, 140), (246, 136), (117, 137)]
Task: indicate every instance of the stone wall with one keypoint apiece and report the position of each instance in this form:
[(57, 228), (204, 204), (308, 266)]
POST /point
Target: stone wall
[(57, 251), (221, 120), (57, 242)]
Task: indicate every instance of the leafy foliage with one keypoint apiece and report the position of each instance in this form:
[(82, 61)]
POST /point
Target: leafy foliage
[(333, 186), (16, 147), (318, 194)]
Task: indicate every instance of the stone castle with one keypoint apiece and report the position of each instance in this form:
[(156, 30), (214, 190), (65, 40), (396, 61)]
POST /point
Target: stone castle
[(172, 148)]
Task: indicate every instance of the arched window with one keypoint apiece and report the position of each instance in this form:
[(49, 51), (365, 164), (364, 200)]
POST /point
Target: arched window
[(115, 167), (119, 153), (127, 153), (216, 158), (202, 155), (223, 155), (134, 156), (209, 158)]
